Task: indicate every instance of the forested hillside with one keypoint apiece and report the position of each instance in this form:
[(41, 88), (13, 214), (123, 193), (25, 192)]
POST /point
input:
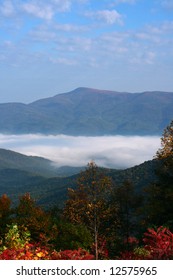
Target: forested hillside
[(37, 165), (20, 174)]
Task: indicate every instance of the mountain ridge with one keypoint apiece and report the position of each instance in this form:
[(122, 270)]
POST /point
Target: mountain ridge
[(13, 160), (90, 112)]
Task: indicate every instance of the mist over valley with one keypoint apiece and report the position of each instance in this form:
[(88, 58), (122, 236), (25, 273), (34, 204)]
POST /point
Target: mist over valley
[(107, 151)]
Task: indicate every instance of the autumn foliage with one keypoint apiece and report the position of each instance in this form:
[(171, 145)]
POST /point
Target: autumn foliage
[(17, 246), (79, 254), (35, 252), (158, 245)]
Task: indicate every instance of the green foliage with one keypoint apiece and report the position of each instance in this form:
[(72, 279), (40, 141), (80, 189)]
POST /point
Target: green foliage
[(129, 203), (159, 202), (15, 238), (70, 236), (34, 165), (33, 217), (141, 252), (53, 191)]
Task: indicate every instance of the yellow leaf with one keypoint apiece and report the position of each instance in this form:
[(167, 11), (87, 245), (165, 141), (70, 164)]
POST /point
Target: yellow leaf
[(40, 254)]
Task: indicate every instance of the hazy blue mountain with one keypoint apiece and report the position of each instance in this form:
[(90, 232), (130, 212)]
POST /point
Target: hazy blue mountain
[(86, 111)]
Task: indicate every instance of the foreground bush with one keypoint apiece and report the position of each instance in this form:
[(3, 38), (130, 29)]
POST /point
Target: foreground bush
[(79, 254), (35, 252), (17, 246), (158, 245), (27, 252)]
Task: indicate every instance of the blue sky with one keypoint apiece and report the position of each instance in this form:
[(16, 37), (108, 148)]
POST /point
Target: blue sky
[(50, 47)]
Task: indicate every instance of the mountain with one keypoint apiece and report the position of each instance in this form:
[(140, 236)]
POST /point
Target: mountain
[(10, 160), (32, 164), (90, 112)]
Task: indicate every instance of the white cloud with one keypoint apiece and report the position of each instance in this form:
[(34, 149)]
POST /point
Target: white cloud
[(7, 8), (63, 60), (62, 6), (69, 27), (43, 9), (143, 57), (45, 12), (42, 34), (108, 151), (108, 16)]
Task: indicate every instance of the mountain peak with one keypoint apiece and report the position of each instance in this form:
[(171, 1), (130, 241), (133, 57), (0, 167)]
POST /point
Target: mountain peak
[(84, 90)]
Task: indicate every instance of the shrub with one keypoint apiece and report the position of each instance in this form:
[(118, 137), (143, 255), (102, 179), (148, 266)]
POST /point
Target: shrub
[(79, 254), (158, 246), (159, 243)]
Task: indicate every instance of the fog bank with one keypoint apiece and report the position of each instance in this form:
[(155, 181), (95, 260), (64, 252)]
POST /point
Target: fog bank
[(107, 151)]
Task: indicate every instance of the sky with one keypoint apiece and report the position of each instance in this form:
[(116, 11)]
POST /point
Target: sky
[(55, 46)]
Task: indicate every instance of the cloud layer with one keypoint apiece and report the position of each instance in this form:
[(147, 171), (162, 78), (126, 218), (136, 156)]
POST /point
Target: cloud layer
[(108, 151)]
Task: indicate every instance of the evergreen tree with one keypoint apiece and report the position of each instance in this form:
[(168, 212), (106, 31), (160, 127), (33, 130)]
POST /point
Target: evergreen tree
[(160, 193), (129, 203)]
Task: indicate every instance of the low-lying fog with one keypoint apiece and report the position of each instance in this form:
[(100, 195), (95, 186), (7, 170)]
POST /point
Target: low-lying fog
[(107, 151)]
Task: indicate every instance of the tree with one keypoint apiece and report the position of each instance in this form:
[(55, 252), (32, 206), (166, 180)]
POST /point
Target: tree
[(129, 203), (88, 204), (71, 236), (5, 212), (160, 193), (37, 221), (166, 151)]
